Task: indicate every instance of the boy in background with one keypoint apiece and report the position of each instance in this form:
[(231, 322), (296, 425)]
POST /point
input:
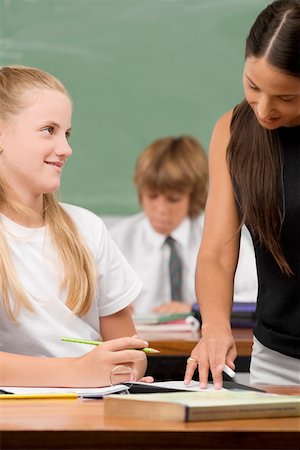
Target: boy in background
[(162, 241)]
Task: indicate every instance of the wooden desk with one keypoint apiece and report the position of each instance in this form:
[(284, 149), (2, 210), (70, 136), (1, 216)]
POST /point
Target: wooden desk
[(243, 338), (81, 424)]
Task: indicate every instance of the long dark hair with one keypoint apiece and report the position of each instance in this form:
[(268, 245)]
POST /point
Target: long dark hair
[(254, 153)]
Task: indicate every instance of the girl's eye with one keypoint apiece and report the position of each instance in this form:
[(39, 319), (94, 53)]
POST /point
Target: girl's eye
[(68, 134), (48, 130)]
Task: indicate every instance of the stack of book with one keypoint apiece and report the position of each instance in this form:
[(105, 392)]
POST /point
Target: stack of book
[(163, 327)]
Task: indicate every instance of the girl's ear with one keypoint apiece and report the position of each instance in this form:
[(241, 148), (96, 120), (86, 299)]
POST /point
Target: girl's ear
[(2, 132), (1, 137)]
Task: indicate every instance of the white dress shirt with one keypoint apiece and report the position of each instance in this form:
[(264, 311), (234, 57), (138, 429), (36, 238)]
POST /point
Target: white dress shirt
[(148, 254)]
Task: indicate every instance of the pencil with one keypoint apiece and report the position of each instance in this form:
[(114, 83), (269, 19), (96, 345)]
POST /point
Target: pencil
[(29, 396), (85, 341)]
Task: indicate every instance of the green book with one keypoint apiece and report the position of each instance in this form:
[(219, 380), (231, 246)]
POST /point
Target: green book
[(202, 406), (153, 318)]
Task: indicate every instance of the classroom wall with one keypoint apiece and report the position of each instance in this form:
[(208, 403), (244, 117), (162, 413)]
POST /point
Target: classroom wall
[(137, 70)]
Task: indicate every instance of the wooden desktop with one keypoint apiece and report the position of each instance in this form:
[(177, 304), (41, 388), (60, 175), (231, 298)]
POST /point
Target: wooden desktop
[(80, 424)]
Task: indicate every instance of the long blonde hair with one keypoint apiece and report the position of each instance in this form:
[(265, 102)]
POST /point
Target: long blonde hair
[(79, 267)]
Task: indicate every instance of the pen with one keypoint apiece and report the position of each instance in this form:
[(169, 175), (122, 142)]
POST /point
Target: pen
[(229, 371), (84, 341)]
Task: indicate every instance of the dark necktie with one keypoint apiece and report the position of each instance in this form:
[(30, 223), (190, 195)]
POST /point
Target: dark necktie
[(175, 268)]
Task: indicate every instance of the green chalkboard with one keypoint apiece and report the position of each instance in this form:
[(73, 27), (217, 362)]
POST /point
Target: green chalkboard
[(137, 70)]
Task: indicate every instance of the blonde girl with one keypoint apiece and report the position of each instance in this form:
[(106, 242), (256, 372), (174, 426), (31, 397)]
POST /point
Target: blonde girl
[(60, 273)]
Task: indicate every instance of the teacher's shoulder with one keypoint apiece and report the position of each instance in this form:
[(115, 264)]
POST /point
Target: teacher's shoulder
[(221, 134), (222, 125)]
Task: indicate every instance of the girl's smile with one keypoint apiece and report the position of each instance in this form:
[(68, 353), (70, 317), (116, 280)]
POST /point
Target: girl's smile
[(36, 146)]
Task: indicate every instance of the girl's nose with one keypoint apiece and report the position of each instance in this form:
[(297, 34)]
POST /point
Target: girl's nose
[(64, 148)]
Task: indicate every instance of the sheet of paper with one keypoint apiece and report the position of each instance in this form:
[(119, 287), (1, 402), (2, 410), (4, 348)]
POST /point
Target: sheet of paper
[(193, 386), (81, 392)]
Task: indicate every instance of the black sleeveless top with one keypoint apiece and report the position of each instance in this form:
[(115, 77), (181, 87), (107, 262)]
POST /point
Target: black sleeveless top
[(278, 302)]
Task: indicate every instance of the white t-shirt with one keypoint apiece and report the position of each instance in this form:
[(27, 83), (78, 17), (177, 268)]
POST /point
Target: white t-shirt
[(149, 257), (39, 269)]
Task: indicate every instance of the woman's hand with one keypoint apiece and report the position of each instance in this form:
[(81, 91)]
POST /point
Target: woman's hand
[(215, 349), (96, 366)]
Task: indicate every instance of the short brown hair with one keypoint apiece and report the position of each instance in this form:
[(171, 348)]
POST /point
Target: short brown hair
[(174, 164)]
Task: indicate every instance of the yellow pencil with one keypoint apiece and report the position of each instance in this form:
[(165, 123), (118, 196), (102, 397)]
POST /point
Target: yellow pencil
[(52, 395)]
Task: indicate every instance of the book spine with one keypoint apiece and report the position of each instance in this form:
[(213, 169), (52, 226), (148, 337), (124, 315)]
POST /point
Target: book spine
[(241, 412)]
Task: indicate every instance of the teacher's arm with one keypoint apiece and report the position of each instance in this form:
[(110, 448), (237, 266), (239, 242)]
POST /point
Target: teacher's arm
[(216, 265)]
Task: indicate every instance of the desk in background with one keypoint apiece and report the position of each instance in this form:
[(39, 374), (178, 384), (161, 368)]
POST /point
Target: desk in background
[(81, 425), (171, 362)]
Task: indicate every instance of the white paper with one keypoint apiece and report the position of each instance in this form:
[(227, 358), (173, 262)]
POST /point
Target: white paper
[(81, 392), (193, 386)]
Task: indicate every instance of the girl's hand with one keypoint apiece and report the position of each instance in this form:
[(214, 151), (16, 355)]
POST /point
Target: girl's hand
[(147, 379), (97, 365), (215, 349)]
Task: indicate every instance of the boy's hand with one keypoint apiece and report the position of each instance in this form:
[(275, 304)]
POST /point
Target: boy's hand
[(174, 307)]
